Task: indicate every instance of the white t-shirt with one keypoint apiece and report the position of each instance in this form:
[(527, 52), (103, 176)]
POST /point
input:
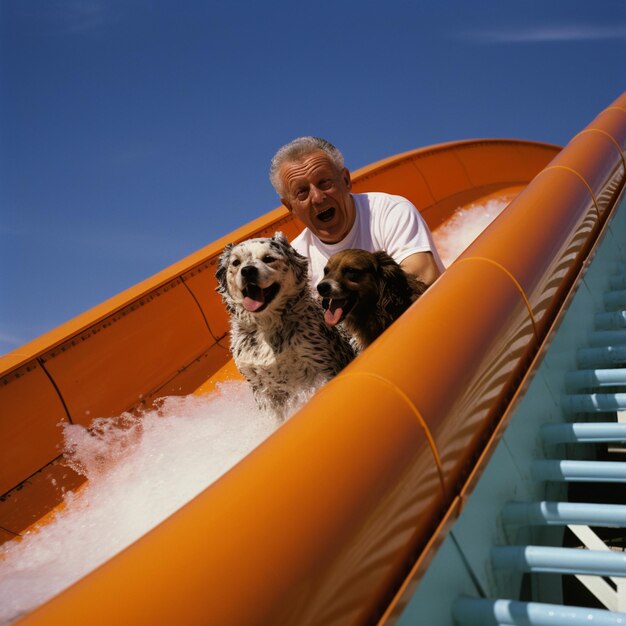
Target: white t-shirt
[(383, 222)]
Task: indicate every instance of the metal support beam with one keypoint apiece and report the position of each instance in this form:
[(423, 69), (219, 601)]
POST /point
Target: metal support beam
[(601, 357), (610, 320), (583, 432), (579, 471), (585, 379), (563, 513), (593, 402), (485, 612), (542, 559)]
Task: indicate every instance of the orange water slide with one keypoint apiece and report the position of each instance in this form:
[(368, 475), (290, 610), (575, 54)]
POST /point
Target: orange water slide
[(334, 516)]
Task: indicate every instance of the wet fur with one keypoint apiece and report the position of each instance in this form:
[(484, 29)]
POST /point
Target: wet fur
[(377, 291), (286, 349)]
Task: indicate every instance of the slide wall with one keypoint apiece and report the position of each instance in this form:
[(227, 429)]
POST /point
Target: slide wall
[(325, 520)]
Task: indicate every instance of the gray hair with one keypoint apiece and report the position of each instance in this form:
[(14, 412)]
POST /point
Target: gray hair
[(296, 150)]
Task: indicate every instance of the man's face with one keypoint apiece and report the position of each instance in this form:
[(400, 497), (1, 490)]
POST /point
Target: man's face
[(318, 194)]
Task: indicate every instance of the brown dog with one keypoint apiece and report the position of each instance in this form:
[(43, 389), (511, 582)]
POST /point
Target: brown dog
[(366, 291)]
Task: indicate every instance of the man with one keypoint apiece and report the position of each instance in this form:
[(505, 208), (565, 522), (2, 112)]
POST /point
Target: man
[(310, 177)]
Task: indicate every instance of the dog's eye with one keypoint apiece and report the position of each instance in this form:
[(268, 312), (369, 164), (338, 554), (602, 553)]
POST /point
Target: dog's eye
[(268, 259), (235, 262), (352, 274)]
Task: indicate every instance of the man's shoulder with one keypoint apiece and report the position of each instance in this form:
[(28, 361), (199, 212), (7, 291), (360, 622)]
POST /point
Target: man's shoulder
[(376, 206)]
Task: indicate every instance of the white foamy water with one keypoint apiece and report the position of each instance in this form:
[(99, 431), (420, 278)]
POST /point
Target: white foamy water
[(455, 235), (141, 470)]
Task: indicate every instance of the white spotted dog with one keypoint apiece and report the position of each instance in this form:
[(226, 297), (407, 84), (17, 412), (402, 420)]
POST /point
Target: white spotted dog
[(278, 336)]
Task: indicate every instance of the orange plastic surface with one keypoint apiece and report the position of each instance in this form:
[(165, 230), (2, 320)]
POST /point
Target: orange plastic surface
[(288, 506), (540, 238), (30, 406), (480, 365), (324, 521), (92, 371)]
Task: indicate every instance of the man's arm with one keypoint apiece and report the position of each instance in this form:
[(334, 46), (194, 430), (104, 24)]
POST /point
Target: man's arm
[(422, 265)]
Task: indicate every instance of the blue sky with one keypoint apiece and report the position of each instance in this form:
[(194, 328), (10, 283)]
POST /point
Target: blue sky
[(134, 132)]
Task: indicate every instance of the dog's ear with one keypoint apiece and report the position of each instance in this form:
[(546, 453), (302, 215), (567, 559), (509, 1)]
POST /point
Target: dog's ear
[(281, 238), (299, 262), (395, 289), (389, 270), (222, 266)]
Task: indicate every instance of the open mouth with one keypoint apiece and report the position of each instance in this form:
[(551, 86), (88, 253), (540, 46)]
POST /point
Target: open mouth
[(256, 299), (336, 309), (326, 215)]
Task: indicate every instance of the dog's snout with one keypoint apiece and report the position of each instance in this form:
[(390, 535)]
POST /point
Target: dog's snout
[(324, 289), (249, 272)]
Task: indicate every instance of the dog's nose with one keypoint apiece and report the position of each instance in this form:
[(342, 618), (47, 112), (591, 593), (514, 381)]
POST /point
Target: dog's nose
[(323, 289), (249, 271)]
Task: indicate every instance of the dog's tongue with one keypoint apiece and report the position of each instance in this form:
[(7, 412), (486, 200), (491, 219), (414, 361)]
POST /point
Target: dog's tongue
[(254, 299), (332, 315)]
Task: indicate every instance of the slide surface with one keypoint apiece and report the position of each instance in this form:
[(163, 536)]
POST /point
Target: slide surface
[(324, 520)]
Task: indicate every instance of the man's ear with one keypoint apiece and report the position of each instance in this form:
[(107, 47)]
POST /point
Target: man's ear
[(345, 174), (285, 203)]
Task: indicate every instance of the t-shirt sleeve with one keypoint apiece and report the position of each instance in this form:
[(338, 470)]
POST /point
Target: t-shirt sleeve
[(403, 232)]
